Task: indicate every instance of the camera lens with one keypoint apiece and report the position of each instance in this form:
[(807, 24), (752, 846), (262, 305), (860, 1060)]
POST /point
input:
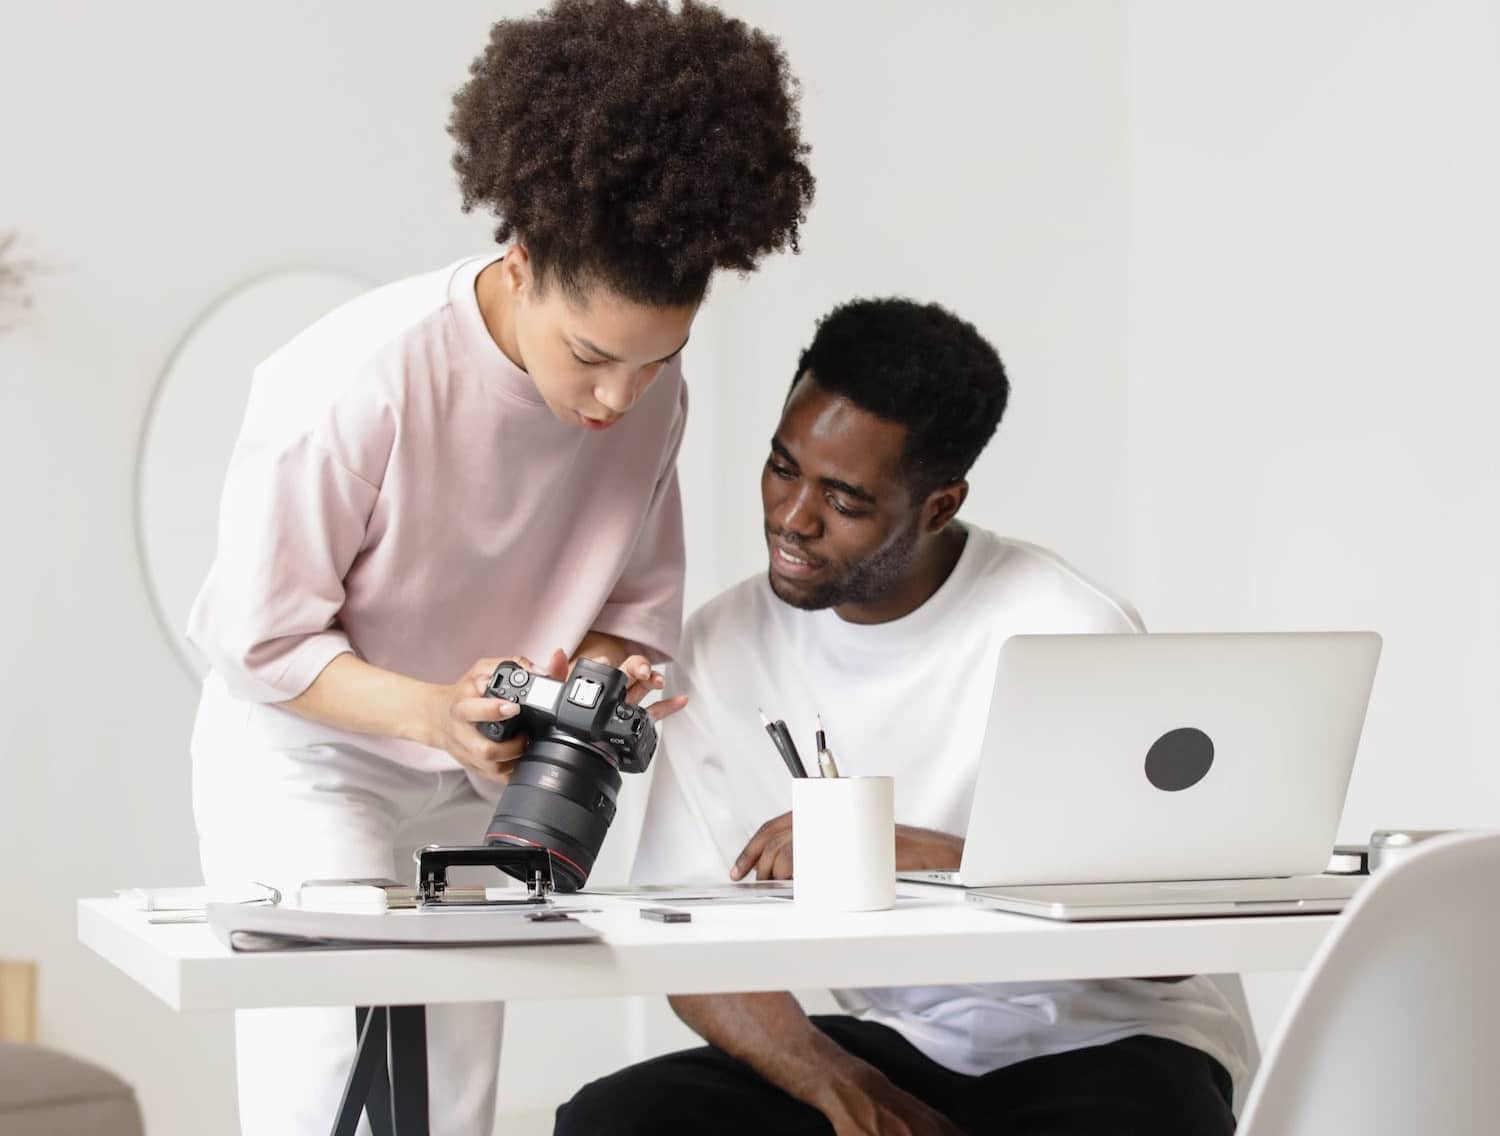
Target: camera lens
[(561, 797)]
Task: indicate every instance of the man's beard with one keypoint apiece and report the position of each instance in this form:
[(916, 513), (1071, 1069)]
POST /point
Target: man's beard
[(865, 582)]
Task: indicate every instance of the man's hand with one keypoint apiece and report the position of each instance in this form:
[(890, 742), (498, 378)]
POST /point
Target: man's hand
[(927, 850), (862, 1101), (455, 710), (771, 1033), (769, 853)]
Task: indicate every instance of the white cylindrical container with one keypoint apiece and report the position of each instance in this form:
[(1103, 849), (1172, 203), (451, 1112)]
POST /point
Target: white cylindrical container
[(1388, 846), (844, 843)]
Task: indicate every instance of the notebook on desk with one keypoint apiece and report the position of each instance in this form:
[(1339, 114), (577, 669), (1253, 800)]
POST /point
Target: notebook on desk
[(726, 893), (1168, 774), (245, 928)]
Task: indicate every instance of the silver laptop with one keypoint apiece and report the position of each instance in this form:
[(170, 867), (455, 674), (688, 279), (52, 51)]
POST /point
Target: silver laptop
[(1194, 774)]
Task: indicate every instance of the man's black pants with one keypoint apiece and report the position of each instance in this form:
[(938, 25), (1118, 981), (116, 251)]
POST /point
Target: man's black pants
[(1139, 1085)]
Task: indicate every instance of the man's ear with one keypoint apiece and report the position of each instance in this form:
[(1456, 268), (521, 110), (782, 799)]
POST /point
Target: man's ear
[(942, 505)]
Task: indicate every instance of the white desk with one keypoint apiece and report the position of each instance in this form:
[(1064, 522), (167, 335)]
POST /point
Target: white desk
[(932, 936)]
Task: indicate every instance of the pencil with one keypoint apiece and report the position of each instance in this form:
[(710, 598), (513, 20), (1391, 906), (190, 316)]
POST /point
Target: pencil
[(826, 764)]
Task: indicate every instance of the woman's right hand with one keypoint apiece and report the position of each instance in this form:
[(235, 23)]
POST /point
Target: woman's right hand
[(455, 711)]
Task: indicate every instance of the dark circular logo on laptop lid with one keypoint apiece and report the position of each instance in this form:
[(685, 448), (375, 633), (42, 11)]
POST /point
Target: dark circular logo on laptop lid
[(1179, 759)]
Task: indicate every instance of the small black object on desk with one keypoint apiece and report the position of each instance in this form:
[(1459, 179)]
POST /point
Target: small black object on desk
[(666, 915)]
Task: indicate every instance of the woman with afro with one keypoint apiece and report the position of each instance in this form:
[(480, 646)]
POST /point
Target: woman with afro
[(474, 464)]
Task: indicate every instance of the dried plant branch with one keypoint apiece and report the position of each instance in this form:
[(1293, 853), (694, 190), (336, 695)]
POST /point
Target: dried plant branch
[(15, 296)]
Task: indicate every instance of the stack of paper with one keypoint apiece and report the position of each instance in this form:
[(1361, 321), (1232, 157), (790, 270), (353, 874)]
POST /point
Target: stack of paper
[(245, 928)]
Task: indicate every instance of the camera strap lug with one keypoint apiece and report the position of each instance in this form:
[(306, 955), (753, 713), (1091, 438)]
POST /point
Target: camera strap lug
[(433, 862)]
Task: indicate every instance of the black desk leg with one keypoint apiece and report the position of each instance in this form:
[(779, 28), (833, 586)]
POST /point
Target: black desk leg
[(367, 1077), (408, 1069), (388, 1079)]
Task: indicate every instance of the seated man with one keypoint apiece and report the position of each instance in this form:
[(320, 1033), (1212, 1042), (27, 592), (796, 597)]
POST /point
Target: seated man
[(884, 615)]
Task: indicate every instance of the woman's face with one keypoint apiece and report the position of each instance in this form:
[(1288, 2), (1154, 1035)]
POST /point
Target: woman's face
[(591, 357)]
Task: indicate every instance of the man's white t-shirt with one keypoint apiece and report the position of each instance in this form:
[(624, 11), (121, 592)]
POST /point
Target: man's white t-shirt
[(908, 699)]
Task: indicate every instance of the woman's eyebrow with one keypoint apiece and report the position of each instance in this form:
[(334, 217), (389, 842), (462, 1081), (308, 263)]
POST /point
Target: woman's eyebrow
[(592, 349), (613, 358)]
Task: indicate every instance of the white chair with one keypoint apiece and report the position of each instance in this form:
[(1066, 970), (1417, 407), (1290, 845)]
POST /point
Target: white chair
[(1391, 1031)]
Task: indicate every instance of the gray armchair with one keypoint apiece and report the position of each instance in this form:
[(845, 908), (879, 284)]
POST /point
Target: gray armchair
[(47, 1093)]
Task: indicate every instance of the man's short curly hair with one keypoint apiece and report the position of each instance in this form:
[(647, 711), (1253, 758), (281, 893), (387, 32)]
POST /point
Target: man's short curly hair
[(919, 365), (633, 146)]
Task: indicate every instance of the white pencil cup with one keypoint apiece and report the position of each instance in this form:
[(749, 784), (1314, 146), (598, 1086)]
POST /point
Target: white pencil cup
[(844, 843)]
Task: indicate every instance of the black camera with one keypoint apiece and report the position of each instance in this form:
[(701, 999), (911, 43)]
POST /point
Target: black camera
[(562, 791)]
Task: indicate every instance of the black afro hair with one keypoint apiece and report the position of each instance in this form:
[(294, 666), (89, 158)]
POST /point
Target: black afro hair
[(634, 146), (919, 365)]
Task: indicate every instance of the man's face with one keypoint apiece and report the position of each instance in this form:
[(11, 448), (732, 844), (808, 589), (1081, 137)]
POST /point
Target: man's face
[(841, 525)]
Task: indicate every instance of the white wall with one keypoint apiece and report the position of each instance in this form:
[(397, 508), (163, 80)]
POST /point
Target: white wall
[(157, 155), (972, 154), (1314, 277), (1238, 260)]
